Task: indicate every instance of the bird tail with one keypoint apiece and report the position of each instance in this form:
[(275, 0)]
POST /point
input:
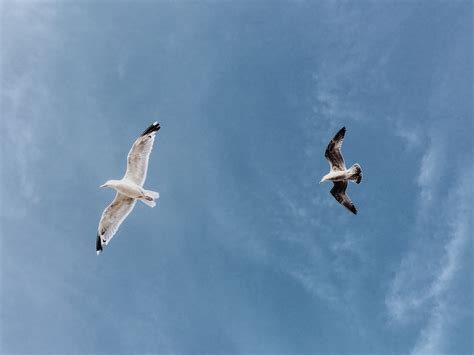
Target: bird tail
[(150, 197), (153, 194), (150, 203), (356, 173)]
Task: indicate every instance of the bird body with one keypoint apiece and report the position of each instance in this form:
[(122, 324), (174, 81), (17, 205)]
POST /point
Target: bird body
[(338, 173), (342, 175), (129, 188)]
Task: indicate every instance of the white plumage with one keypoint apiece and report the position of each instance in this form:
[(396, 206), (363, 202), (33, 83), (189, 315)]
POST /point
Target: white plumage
[(129, 188)]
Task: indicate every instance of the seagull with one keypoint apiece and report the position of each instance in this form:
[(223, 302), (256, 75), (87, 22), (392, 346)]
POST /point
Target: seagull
[(129, 188), (338, 173)]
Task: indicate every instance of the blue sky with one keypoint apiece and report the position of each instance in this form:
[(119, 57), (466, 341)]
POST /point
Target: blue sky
[(244, 253)]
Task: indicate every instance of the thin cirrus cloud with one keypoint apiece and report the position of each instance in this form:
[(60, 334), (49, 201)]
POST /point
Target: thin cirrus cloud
[(432, 276), (411, 295)]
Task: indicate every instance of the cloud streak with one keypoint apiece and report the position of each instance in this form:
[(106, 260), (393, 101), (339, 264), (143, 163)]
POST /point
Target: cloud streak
[(424, 280), (433, 335)]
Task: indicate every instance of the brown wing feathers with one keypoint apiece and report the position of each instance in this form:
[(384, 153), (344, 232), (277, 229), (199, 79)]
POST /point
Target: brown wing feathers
[(333, 151), (339, 193)]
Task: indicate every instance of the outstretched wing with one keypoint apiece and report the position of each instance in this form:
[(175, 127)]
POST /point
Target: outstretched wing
[(339, 193), (333, 151), (112, 218), (137, 160)]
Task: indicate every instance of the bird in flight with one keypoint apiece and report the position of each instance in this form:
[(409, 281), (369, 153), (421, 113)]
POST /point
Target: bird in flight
[(129, 188), (338, 173)]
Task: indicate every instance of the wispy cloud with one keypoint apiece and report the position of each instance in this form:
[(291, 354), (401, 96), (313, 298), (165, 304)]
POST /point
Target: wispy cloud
[(24, 96), (432, 336), (425, 290), (424, 279)]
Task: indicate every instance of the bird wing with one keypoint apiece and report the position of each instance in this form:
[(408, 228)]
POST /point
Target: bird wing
[(137, 160), (112, 218), (333, 151), (339, 193)]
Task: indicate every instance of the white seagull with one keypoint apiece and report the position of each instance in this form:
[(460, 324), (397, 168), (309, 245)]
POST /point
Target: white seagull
[(129, 188), (338, 173)]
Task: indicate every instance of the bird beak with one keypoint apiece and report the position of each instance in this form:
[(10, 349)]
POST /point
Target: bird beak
[(103, 185)]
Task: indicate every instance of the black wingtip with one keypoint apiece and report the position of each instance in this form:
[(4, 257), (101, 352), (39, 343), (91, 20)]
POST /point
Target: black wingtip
[(98, 245), (339, 135), (352, 208), (152, 128)]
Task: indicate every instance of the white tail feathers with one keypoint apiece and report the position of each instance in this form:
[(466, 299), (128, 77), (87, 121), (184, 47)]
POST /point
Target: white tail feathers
[(356, 171), (153, 194), (148, 203), (150, 196)]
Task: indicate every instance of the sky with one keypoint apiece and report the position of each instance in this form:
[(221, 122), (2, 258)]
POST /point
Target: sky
[(245, 253)]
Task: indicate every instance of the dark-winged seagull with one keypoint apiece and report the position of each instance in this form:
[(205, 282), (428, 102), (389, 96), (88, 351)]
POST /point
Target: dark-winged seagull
[(129, 188), (338, 173)]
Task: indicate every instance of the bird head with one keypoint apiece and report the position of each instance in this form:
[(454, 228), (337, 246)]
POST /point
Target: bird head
[(107, 184)]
